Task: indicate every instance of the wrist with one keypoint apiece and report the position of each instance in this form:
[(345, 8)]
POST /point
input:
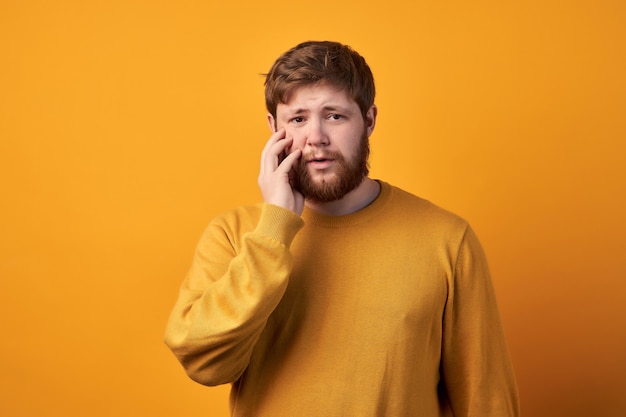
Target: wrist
[(279, 223)]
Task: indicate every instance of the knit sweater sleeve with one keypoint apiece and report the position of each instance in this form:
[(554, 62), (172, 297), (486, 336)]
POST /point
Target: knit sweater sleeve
[(476, 366), (234, 284)]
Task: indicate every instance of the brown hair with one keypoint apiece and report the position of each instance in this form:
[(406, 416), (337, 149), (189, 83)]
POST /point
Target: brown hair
[(314, 62)]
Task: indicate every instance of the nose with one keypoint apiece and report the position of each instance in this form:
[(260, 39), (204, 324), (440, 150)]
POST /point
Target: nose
[(316, 134)]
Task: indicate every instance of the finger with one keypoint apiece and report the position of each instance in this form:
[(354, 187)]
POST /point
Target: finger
[(275, 153), (276, 136), (289, 161), (269, 156)]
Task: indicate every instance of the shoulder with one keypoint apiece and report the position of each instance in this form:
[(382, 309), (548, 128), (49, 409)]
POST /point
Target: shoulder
[(418, 218), (264, 220), (238, 214), (409, 205), (240, 218), (233, 223)]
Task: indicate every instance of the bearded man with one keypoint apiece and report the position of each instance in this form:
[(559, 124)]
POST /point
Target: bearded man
[(339, 294)]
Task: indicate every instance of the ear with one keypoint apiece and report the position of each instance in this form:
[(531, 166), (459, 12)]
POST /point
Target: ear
[(271, 122), (370, 119)]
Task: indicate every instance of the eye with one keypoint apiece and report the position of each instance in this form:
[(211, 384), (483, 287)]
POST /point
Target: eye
[(298, 119), (335, 116)]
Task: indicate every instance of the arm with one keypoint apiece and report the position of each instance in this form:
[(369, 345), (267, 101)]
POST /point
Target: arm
[(476, 366), (228, 295), (233, 286)]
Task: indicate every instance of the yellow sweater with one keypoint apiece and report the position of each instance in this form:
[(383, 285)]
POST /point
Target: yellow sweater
[(388, 311)]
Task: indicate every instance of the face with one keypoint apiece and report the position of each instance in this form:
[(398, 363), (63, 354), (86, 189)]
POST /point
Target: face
[(327, 125)]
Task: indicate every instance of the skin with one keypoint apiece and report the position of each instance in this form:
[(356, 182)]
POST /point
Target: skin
[(317, 119)]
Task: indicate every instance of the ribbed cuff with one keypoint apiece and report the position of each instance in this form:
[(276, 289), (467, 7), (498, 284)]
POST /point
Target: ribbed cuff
[(279, 223)]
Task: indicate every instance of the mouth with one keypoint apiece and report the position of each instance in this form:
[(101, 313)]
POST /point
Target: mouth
[(321, 159), (326, 156), (320, 162)]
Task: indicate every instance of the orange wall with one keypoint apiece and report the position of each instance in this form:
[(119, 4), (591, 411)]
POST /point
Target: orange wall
[(126, 125)]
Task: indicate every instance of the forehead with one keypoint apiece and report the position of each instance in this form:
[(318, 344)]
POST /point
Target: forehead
[(314, 96)]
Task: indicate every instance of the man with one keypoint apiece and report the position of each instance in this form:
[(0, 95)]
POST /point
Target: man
[(339, 295)]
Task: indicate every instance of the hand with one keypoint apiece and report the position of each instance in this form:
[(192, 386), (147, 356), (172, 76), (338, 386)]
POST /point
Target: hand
[(274, 175)]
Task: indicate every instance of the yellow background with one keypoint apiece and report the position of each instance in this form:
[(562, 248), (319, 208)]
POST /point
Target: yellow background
[(126, 125)]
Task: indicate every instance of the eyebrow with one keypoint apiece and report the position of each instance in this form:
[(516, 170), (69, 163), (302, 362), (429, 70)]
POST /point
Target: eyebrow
[(329, 107)]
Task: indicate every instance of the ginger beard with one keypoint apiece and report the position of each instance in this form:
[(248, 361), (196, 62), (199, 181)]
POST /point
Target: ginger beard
[(347, 175)]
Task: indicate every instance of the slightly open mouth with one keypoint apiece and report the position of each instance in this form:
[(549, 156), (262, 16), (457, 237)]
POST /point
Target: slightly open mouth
[(320, 163)]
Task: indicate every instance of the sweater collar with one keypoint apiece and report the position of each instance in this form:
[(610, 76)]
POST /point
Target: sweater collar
[(374, 209)]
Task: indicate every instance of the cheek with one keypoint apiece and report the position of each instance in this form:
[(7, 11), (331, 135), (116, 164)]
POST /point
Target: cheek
[(299, 139)]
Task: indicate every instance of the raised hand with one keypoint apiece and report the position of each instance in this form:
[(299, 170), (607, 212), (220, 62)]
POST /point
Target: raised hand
[(274, 173)]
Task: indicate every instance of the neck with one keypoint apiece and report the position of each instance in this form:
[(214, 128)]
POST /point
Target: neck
[(355, 200)]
